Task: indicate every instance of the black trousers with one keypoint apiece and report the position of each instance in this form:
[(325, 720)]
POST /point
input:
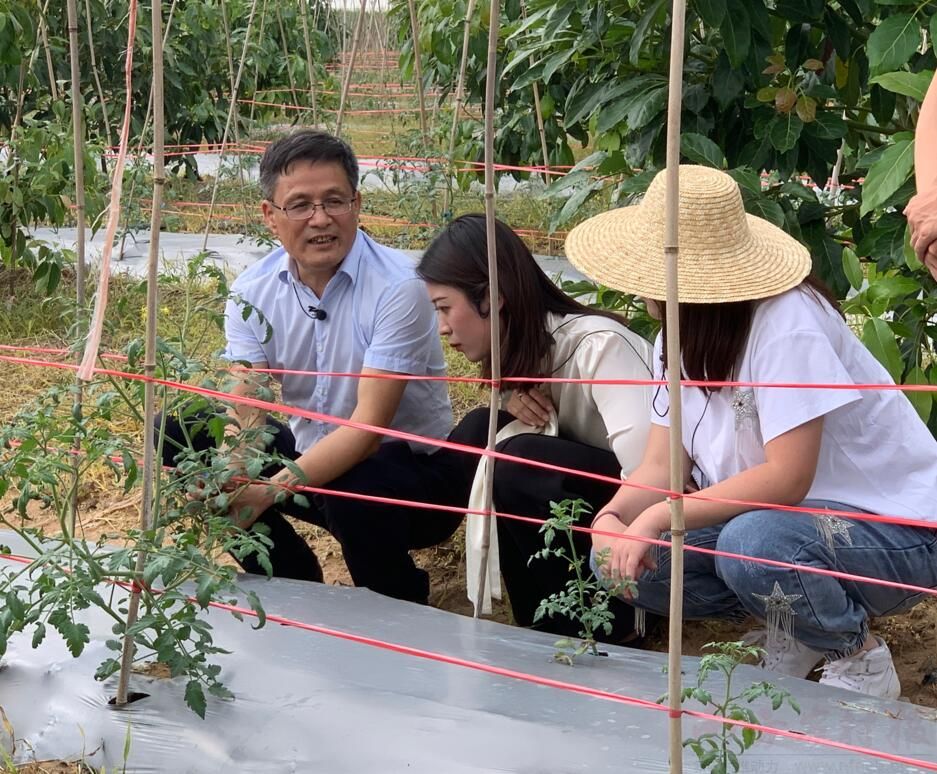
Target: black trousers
[(375, 538), (527, 491)]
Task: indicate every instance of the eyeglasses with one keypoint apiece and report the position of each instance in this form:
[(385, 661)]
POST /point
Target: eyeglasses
[(305, 210)]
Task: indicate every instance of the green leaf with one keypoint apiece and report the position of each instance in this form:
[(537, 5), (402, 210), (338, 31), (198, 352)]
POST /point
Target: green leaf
[(646, 106), (254, 601), (923, 402), (887, 175), (800, 11), (910, 257), (39, 634), (649, 19), (893, 42), (204, 590), (195, 698), (785, 131), (909, 84), (880, 339), (736, 30), (702, 150), (827, 126), (765, 208), (712, 12), (852, 268)]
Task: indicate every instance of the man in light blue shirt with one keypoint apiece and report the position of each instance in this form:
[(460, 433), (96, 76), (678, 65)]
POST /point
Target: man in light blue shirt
[(331, 299)]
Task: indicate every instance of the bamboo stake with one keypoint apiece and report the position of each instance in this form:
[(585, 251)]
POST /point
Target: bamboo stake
[(260, 37), (43, 36), (674, 368), (418, 69), (540, 127), (459, 98), (237, 132), (286, 56), (78, 143), (310, 66), (97, 78), (231, 108), (79, 156), (351, 66), (146, 126), (493, 295), (227, 43), (149, 357)]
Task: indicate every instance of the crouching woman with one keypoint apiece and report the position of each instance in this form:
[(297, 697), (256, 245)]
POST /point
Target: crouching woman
[(598, 428), (750, 313)]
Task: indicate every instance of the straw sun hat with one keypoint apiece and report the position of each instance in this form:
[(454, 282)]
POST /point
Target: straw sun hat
[(725, 254)]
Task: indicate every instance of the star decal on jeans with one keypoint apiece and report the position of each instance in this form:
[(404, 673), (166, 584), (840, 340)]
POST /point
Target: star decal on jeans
[(779, 613), (831, 527)]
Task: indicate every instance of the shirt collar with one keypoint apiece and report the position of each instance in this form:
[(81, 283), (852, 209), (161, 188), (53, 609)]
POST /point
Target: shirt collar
[(286, 267)]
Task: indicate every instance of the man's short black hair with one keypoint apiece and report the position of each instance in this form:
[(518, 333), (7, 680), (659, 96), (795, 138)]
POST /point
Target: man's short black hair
[(310, 145)]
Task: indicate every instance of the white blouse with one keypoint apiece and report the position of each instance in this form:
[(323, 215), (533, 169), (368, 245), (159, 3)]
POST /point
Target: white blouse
[(875, 452), (615, 417)]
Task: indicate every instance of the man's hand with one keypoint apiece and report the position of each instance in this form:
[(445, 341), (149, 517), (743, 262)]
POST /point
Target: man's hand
[(921, 213), (531, 407)]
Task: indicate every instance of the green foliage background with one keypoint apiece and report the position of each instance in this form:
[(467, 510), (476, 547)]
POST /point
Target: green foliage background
[(777, 93)]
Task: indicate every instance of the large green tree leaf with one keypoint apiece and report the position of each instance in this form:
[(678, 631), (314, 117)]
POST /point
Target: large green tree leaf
[(785, 131), (902, 82), (880, 339), (702, 150), (892, 42), (736, 30), (887, 175), (711, 11)]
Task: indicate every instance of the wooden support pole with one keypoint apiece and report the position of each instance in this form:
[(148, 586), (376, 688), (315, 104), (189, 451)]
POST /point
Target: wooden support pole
[(674, 368), (310, 64), (491, 87), (232, 108), (355, 42), (149, 356), (418, 70), (459, 98)]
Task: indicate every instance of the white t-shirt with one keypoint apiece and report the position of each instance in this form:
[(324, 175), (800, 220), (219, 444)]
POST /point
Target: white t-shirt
[(875, 453), (610, 416)]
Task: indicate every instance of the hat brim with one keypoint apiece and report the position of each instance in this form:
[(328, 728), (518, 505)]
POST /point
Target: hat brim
[(616, 250)]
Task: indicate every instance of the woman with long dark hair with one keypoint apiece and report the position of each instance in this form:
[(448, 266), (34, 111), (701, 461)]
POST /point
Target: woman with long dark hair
[(598, 428), (751, 314)]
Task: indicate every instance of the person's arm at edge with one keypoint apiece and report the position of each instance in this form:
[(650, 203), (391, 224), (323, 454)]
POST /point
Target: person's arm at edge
[(784, 478), (337, 453), (921, 210)]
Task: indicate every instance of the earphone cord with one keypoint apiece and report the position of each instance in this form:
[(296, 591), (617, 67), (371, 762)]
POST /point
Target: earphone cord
[(300, 301)]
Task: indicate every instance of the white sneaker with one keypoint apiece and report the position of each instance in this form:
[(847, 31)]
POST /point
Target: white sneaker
[(784, 655), (871, 672)]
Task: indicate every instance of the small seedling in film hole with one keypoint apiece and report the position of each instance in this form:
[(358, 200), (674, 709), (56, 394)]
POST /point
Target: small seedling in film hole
[(585, 598), (719, 752)]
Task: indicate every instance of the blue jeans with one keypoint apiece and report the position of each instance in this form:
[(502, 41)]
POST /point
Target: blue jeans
[(829, 614)]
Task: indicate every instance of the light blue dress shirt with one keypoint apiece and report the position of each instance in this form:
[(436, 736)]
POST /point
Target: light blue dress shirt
[(378, 316)]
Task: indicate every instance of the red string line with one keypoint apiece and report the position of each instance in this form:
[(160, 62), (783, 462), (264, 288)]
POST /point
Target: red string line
[(382, 500), (445, 444), (513, 379), (563, 685)]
